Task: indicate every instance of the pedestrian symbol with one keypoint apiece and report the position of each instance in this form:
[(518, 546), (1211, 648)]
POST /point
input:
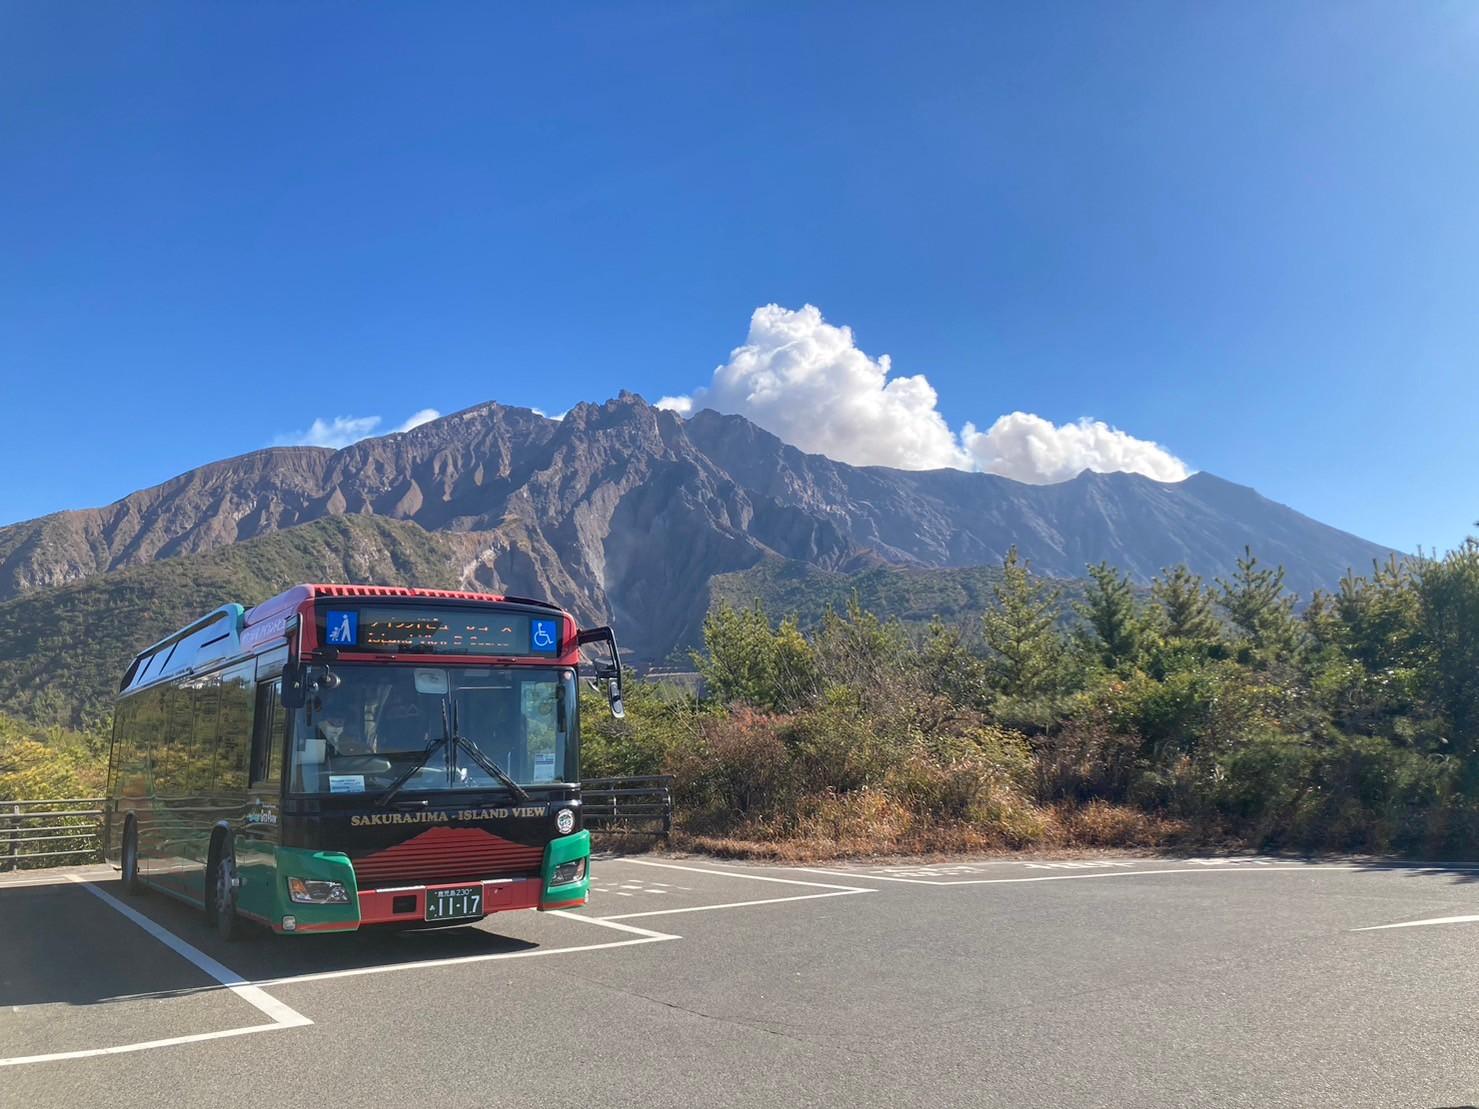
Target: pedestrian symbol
[(543, 636), (342, 629)]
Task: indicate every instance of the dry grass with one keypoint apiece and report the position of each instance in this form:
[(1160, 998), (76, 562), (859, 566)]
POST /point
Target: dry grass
[(869, 824), (1101, 824)]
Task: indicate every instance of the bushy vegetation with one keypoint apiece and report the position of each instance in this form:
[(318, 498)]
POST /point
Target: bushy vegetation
[(1222, 712), (1092, 713), (50, 764)]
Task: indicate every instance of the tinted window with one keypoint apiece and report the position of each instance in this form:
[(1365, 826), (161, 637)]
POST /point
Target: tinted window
[(268, 735), (234, 736)]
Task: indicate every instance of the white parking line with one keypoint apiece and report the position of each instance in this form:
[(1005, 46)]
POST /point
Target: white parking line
[(832, 891), (729, 905), (644, 935), (751, 877), (1294, 868), (282, 1016), (1420, 923), (121, 1049), (606, 922)]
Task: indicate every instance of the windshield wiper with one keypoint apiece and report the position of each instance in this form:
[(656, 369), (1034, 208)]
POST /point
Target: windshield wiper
[(491, 767), (421, 760), (460, 741)]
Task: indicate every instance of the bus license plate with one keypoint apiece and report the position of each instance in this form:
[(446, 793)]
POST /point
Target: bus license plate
[(454, 904)]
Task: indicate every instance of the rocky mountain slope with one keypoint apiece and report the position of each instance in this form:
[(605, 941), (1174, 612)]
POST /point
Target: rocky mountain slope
[(625, 513)]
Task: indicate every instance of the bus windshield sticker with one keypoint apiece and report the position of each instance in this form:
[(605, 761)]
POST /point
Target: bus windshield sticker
[(544, 637), (544, 768), (346, 783), (342, 628)]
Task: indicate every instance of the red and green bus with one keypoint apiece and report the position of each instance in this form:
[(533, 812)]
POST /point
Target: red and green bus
[(347, 755)]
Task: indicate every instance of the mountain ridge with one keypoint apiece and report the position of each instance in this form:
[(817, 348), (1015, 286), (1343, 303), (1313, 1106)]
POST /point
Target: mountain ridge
[(624, 512)]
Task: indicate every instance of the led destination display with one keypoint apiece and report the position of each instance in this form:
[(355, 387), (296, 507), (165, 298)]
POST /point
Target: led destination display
[(405, 629)]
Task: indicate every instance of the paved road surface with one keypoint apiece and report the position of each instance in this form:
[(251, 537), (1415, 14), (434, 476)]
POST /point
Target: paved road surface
[(692, 982)]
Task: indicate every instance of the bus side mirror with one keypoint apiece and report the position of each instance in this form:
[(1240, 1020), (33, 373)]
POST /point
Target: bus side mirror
[(294, 690), (609, 672)]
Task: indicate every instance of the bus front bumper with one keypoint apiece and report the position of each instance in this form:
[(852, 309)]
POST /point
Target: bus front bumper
[(405, 905)]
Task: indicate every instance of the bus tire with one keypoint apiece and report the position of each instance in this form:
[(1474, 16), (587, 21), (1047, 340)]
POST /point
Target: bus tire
[(224, 884), (129, 859)]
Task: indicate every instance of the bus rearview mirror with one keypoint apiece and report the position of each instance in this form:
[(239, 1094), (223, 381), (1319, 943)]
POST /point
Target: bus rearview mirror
[(294, 692)]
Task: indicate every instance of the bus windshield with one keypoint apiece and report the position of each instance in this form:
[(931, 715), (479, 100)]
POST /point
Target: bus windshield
[(365, 727)]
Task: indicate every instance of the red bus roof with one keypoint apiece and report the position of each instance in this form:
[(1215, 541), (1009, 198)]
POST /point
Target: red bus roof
[(289, 600)]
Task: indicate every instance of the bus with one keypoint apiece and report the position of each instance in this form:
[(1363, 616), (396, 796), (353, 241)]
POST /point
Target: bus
[(351, 755)]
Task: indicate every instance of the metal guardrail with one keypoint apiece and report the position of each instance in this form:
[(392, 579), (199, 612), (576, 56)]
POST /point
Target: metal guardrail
[(50, 832), (613, 802)]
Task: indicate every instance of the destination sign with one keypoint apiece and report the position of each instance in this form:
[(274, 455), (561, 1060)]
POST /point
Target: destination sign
[(425, 630)]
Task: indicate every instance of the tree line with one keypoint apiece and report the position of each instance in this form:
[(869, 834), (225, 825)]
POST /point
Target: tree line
[(1228, 711), (1186, 712)]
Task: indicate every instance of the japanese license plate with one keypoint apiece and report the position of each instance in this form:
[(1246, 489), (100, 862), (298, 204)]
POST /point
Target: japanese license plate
[(454, 904)]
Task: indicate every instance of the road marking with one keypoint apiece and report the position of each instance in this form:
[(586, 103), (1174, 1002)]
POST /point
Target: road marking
[(143, 1046), (606, 922), (1290, 869), (1073, 865), (644, 935), (319, 976), (282, 1016), (754, 877), (1420, 923), (833, 891), (729, 905), (278, 1012)]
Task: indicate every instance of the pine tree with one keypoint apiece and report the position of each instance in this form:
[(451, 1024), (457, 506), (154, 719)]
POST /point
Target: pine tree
[(1024, 644), (1378, 616), (1116, 622), (1448, 590), (1259, 607), (1186, 607), (745, 660)]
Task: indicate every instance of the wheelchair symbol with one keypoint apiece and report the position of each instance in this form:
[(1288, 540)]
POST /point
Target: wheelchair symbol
[(544, 635)]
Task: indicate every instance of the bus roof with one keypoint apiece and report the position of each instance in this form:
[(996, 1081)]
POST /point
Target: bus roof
[(289, 600), (224, 632)]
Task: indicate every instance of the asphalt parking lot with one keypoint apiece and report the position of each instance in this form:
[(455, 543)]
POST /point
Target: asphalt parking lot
[(1017, 982)]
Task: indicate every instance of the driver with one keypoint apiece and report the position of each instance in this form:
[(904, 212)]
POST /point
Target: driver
[(333, 727)]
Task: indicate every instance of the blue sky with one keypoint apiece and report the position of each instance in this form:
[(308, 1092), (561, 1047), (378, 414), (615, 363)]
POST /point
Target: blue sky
[(1248, 232)]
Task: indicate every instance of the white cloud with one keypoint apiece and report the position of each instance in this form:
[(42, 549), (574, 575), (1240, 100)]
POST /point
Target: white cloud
[(806, 381), (681, 405), (425, 416), (1030, 448), (341, 431)]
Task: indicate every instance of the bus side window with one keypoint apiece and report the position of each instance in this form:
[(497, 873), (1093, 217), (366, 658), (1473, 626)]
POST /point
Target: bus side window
[(175, 747), (234, 747), (206, 700), (267, 736)]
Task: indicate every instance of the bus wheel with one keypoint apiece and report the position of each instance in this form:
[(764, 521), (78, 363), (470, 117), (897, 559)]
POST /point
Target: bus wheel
[(130, 860), (229, 925)]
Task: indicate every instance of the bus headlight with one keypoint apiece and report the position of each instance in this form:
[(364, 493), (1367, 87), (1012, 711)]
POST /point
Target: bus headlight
[(311, 891), (569, 872), (565, 821)]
